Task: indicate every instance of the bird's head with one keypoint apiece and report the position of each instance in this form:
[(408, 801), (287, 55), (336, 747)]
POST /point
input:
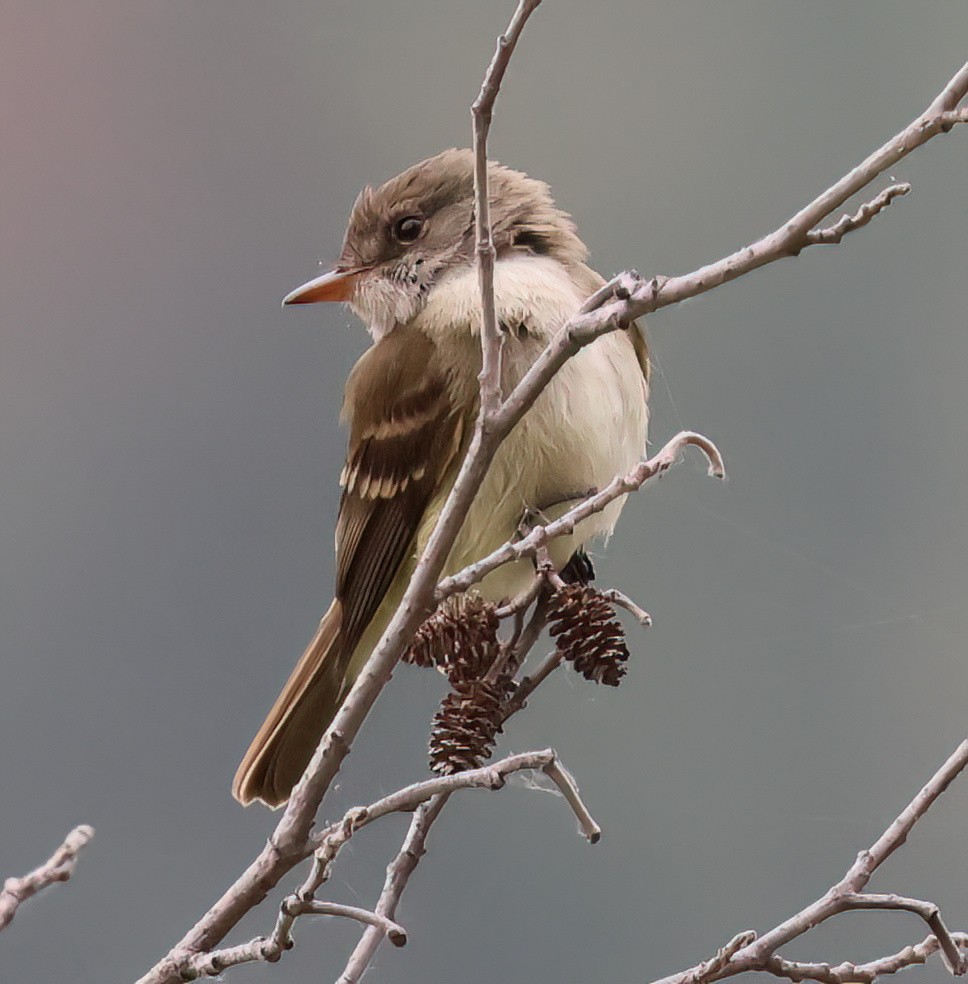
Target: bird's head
[(404, 237)]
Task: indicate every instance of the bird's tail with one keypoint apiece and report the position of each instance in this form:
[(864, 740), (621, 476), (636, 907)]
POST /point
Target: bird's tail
[(281, 750)]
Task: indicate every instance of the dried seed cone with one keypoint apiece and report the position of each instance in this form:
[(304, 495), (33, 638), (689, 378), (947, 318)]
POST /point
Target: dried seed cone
[(588, 634), (467, 725), (460, 638)]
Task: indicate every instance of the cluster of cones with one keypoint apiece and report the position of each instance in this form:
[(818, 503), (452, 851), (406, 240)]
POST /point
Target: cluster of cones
[(460, 639)]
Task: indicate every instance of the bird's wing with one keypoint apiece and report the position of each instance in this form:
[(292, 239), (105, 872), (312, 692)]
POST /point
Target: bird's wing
[(404, 435)]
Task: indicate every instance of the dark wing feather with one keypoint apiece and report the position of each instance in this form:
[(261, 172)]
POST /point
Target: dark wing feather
[(404, 435)]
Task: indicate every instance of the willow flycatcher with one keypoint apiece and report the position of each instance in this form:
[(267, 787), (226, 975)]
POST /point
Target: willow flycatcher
[(407, 268)]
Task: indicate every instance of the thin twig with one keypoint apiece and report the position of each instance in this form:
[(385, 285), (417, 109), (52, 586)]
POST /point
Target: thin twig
[(533, 629), (928, 911), (865, 973), (398, 874), (621, 599), (546, 566), (870, 860), (329, 841), (628, 297), (528, 546), (569, 789), (481, 112), (530, 683), (327, 845), (271, 949), (831, 235), (522, 601), (403, 865), (760, 953), (57, 868), (491, 776)]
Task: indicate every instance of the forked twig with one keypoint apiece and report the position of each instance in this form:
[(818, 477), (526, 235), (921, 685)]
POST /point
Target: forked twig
[(760, 953)]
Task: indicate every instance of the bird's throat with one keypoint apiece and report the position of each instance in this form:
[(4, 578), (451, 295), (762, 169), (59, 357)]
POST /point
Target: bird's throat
[(537, 292)]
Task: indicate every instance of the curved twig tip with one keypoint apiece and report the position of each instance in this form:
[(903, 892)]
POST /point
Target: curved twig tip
[(714, 457)]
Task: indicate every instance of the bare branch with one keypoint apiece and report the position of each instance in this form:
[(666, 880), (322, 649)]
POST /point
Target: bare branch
[(621, 599), (405, 800), (530, 683), (481, 111), (398, 874), (870, 860), (271, 949), (522, 602), (430, 795), (531, 632), (57, 868), (928, 911), (865, 973), (564, 781), (393, 931), (760, 953), (403, 865), (628, 296)]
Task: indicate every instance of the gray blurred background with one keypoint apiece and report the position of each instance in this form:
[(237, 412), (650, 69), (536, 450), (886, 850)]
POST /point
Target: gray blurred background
[(169, 438)]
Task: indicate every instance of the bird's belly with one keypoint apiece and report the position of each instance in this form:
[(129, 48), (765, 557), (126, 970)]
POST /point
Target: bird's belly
[(588, 426)]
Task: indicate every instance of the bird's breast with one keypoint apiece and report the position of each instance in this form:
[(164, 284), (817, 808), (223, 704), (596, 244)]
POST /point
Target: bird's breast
[(589, 425)]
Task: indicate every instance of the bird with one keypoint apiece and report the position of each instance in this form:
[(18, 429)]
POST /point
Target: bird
[(408, 270)]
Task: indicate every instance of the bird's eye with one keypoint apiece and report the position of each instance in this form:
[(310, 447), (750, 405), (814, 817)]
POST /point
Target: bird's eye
[(407, 229)]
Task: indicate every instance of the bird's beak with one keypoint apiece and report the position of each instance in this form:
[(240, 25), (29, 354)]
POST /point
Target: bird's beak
[(337, 285)]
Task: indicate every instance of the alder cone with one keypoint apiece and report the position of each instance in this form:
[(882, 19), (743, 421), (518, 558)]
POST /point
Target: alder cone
[(588, 635), (460, 638), (466, 727)]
